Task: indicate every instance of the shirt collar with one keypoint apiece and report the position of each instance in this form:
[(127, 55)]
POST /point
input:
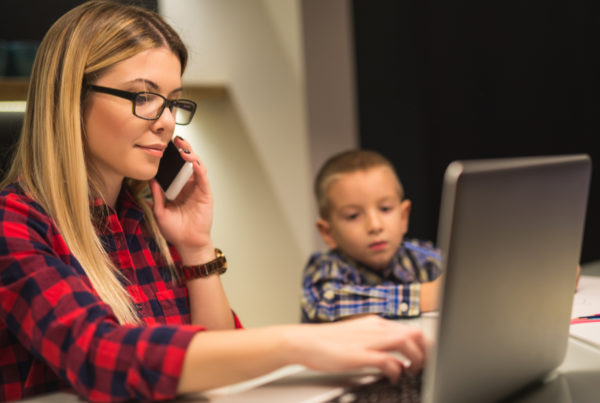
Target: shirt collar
[(394, 271), (126, 207)]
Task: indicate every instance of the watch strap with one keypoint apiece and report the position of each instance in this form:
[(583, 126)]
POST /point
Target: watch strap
[(215, 266)]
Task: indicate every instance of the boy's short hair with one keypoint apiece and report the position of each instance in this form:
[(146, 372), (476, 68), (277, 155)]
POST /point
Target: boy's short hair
[(347, 162)]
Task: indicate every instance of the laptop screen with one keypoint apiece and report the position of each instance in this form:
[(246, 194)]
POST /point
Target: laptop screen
[(510, 231)]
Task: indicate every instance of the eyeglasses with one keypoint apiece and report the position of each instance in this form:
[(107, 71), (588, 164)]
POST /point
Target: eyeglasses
[(149, 105)]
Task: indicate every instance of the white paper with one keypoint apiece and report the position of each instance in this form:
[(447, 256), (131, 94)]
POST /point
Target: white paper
[(586, 302), (586, 299)]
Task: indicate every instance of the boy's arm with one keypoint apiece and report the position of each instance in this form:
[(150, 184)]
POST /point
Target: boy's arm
[(426, 261), (331, 301), (430, 295), (332, 291)]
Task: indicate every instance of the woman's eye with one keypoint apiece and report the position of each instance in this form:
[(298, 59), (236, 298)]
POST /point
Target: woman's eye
[(142, 99)]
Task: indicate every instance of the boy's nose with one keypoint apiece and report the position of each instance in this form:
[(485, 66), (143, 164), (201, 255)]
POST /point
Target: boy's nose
[(374, 223)]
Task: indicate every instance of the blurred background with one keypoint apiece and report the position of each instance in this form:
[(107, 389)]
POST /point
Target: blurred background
[(283, 84)]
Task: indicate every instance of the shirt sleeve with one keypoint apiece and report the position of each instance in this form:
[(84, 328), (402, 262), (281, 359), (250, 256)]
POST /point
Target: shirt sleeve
[(425, 259), (48, 304), (330, 293)]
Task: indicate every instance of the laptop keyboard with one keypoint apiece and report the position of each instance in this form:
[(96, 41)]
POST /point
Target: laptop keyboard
[(407, 390)]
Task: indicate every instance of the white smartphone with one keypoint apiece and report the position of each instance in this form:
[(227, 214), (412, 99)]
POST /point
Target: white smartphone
[(173, 171)]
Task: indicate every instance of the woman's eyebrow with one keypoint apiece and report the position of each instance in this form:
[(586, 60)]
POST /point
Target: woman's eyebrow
[(152, 85), (146, 83)]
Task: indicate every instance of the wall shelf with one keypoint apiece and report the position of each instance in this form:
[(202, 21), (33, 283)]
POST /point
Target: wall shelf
[(13, 88)]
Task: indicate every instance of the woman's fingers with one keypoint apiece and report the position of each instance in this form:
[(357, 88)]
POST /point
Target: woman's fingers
[(158, 203), (387, 363), (185, 148), (369, 341), (199, 168), (412, 350)]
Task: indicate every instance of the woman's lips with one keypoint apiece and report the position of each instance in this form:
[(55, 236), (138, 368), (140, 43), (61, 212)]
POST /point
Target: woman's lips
[(154, 150)]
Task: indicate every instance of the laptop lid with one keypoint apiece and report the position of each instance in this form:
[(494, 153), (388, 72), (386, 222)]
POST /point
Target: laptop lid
[(510, 231)]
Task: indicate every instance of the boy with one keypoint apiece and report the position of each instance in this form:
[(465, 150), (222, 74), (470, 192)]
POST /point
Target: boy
[(370, 268)]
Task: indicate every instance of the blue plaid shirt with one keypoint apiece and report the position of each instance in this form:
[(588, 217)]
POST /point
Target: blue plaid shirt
[(335, 286)]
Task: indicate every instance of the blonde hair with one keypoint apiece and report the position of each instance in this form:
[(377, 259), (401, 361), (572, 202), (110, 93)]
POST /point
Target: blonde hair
[(50, 158), (343, 163)]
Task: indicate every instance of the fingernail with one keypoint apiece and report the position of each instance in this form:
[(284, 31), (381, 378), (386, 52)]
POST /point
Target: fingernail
[(179, 137), (186, 151)]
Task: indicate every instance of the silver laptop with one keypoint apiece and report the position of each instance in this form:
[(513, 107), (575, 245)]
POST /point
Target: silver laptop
[(511, 232)]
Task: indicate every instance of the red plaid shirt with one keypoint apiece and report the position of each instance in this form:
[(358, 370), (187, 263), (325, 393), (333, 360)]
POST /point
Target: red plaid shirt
[(55, 332)]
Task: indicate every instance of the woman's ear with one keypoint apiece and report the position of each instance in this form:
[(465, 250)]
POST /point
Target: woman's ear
[(404, 215), (324, 229)]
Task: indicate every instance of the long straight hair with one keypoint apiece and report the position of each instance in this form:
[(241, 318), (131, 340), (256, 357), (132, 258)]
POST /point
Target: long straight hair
[(50, 161)]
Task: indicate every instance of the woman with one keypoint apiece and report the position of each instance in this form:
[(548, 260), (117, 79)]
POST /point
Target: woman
[(104, 292)]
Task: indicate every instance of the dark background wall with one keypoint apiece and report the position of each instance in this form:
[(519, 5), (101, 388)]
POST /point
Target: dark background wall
[(30, 19), (439, 81)]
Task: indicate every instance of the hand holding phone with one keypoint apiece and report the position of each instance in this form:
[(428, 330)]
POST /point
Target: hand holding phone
[(173, 171)]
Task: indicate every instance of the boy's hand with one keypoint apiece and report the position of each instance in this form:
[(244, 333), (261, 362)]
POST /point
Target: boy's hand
[(430, 295)]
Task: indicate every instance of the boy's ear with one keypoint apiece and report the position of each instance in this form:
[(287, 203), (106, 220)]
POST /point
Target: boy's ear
[(325, 231), (405, 215)]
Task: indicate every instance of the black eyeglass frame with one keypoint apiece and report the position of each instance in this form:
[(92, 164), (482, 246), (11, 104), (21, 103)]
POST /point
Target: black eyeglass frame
[(132, 96)]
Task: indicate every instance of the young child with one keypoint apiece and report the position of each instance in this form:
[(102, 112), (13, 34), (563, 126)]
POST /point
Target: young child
[(370, 268)]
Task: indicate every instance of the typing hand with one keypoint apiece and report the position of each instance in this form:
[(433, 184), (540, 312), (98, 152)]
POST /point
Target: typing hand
[(364, 342)]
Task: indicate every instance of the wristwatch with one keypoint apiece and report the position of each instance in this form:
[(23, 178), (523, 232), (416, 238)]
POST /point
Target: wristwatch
[(216, 266)]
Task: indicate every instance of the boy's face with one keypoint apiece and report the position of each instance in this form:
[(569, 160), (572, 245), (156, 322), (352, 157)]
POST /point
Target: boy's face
[(367, 219)]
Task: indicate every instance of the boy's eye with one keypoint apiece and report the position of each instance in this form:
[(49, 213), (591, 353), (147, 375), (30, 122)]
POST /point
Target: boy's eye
[(386, 209), (350, 217)]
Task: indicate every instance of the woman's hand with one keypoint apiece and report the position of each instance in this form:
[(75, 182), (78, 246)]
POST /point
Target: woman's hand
[(186, 221), (367, 341), (227, 357)]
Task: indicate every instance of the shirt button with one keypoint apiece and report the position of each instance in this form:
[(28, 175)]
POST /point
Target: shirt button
[(138, 307), (403, 307), (329, 294)]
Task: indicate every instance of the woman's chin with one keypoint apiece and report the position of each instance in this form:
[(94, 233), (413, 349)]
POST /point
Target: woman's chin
[(144, 176)]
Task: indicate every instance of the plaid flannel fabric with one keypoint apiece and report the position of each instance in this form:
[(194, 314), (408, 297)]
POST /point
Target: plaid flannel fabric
[(55, 332), (335, 286)]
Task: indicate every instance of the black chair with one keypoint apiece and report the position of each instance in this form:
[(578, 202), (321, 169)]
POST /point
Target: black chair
[(10, 129)]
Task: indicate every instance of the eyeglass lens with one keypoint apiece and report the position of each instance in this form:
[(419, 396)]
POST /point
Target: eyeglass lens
[(150, 106)]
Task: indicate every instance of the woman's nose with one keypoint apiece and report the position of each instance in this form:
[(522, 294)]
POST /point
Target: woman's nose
[(166, 120)]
